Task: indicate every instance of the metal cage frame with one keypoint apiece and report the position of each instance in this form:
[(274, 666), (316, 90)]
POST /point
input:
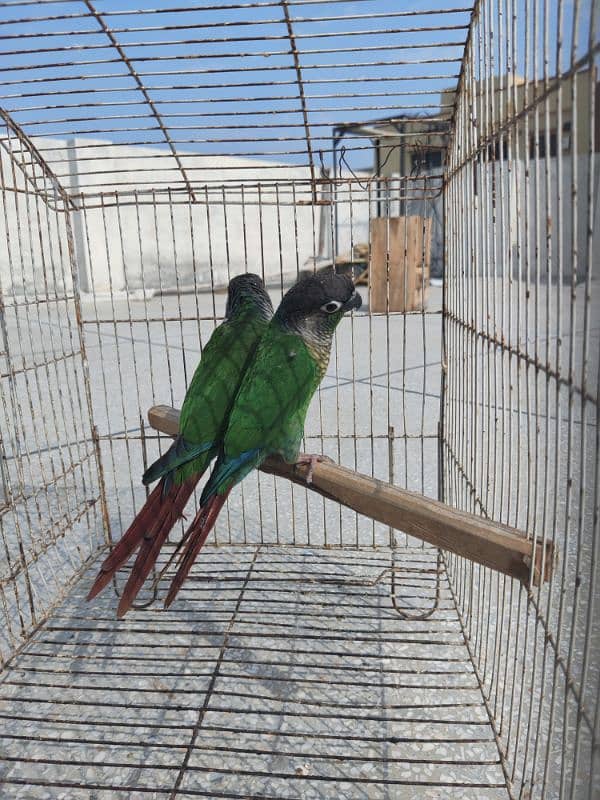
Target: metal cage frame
[(315, 653)]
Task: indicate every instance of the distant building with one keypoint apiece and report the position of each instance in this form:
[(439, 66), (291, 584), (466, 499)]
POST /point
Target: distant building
[(409, 159), (542, 159)]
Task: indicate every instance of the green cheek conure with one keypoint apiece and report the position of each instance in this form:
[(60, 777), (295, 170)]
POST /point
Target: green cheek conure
[(202, 424), (268, 414)]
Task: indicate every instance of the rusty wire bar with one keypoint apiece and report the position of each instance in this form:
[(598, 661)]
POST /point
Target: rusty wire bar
[(520, 433), (205, 51)]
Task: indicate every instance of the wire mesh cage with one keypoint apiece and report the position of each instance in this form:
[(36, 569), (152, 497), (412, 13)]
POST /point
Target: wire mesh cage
[(149, 154)]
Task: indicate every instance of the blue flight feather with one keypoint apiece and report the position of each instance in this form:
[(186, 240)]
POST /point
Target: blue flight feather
[(225, 469), (178, 454)]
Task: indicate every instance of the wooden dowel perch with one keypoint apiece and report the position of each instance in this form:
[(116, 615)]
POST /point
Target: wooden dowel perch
[(500, 547)]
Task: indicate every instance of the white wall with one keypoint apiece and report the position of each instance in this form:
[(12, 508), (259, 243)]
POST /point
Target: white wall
[(146, 238), (529, 219), (34, 256)]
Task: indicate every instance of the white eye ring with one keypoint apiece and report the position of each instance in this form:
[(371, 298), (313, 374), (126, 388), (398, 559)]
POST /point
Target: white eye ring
[(331, 307)]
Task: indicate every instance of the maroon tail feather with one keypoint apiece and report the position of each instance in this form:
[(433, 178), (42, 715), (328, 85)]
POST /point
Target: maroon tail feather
[(156, 518), (196, 536), (152, 541)]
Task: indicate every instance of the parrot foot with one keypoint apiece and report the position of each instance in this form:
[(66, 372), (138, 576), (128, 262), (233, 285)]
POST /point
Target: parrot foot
[(311, 459)]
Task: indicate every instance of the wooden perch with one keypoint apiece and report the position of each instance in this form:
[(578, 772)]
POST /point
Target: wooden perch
[(500, 547)]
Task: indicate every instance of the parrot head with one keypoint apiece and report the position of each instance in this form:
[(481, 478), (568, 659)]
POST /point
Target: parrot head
[(318, 302), (248, 290)]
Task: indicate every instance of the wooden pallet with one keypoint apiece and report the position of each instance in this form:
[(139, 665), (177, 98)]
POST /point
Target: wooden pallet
[(399, 263)]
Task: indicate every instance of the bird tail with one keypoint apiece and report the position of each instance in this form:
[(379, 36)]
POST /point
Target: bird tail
[(196, 536), (148, 531)]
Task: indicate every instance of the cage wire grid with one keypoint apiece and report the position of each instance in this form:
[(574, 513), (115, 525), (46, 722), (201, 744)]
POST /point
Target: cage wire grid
[(148, 155)]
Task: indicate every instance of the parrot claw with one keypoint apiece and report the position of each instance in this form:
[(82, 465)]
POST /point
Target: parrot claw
[(311, 459)]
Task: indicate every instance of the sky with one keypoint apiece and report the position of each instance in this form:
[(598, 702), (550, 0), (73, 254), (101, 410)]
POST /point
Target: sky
[(224, 81)]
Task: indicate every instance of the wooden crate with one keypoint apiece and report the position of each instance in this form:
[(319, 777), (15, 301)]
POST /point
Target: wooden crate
[(399, 263)]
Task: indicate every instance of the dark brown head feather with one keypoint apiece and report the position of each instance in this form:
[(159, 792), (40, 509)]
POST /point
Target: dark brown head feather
[(311, 293), (245, 288)]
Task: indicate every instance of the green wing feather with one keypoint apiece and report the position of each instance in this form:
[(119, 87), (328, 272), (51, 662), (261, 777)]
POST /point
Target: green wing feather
[(270, 409), (209, 397)]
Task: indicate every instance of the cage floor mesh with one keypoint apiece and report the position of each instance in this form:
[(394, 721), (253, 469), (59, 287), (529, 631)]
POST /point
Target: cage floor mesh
[(278, 673)]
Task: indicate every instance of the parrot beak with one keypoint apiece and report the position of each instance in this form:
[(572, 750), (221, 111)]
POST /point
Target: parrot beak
[(355, 302)]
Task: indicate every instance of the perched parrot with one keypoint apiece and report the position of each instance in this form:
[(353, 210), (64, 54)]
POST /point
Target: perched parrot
[(201, 427), (268, 414)]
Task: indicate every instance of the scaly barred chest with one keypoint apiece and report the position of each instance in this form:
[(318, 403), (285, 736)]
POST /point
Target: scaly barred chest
[(318, 343), (321, 357)]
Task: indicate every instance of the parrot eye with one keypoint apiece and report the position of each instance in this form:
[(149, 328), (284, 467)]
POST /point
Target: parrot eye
[(331, 306)]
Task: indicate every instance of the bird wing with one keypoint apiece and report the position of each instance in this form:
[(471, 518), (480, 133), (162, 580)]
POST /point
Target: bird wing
[(208, 399), (269, 411), (217, 377)]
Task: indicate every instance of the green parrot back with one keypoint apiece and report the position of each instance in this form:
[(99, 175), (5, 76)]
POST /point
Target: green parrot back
[(270, 408), (214, 385), (213, 388)]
